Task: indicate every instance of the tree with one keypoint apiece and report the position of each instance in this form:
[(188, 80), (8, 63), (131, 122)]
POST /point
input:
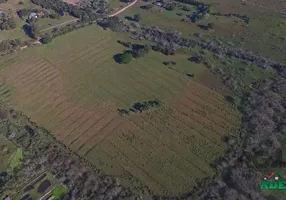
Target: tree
[(210, 25), (137, 18), (34, 30), (54, 15), (125, 58), (23, 13), (46, 39)]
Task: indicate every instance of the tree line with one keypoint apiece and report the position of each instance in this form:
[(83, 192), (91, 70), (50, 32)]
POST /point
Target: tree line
[(173, 40)]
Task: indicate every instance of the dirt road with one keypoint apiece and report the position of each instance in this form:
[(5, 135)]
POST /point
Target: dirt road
[(123, 9), (111, 15)]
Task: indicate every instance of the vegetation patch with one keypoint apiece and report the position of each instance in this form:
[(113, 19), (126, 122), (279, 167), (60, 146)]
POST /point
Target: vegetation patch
[(59, 191), (7, 150), (16, 159), (141, 107)]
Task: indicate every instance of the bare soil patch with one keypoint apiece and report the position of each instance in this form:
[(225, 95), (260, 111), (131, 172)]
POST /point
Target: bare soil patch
[(73, 2)]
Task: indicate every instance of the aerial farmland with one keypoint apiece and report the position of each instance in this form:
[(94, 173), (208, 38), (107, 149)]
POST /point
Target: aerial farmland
[(150, 99)]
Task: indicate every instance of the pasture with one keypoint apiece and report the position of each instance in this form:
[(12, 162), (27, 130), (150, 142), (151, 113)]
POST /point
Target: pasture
[(264, 35), (73, 87), (171, 20)]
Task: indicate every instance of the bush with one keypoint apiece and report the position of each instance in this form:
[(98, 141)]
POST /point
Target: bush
[(125, 58), (46, 39)]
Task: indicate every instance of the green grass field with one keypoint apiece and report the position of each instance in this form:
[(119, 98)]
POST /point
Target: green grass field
[(45, 23), (172, 21), (75, 93)]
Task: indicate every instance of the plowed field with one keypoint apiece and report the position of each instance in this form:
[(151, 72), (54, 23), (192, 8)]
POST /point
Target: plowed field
[(73, 87)]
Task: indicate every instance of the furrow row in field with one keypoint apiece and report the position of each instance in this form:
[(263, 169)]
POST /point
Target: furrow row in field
[(197, 125), (170, 86), (123, 91), (185, 174), (200, 121), (133, 168), (86, 126), (213, 96), (98, 65), (179, 77), (212, 125), (7, 96), (181, 127), (4, 89), (154, 169), (72, 119), (101, 124), (95, 56), (224, 114), (49, 107), (190, 140), (153, 144), (196, 95), (98, 136), (75, 53), (103, 161), (18, 82), (173, 143), (88, 53), (75, 125), (14, 60), (54, 116), (37, 85), (23, 65), (171, 123), (38, 90), (215, 118), (45, 96)]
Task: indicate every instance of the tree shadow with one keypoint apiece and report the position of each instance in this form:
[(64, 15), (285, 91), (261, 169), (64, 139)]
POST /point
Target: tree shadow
[(28, 30), (129, 18), (117, 57), (190, 75)]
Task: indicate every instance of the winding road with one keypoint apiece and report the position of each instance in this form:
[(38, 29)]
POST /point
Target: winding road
[(110, 15)]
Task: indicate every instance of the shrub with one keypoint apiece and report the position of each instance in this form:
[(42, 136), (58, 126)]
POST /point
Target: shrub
[(125, 58), (46, 39)]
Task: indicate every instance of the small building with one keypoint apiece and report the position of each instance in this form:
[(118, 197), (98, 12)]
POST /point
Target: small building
[(33, 15)]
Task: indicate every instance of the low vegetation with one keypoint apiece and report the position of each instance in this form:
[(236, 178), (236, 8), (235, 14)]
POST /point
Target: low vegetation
[(141, 107), (16, 159)]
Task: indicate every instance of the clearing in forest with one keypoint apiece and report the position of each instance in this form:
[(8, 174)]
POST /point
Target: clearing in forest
[(73, 87)]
